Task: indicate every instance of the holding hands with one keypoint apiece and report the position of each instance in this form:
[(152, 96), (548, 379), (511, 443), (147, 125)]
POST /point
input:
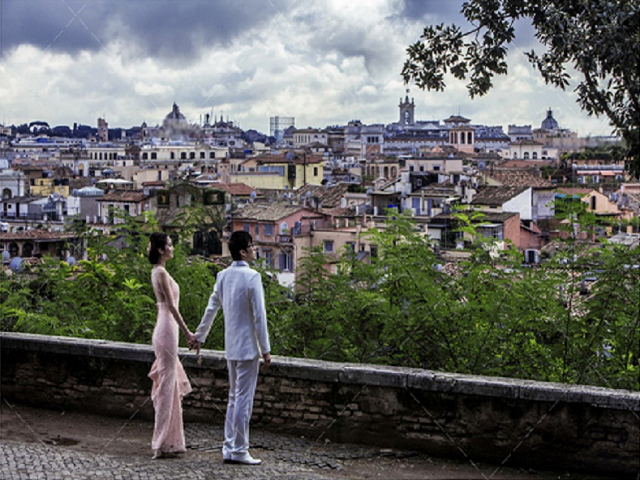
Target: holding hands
[(194, 343)]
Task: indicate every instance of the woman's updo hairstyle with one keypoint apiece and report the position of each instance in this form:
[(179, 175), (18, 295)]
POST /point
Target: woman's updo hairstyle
[(157, 241)]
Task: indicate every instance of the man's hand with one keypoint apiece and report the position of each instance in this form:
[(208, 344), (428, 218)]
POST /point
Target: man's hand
[(194, 344), (266, 362)]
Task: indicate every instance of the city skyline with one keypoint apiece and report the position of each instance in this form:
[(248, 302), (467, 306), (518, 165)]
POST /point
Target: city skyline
[(326, 63)]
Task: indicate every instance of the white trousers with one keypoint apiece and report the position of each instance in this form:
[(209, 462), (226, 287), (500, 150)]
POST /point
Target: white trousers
[(243, 378)]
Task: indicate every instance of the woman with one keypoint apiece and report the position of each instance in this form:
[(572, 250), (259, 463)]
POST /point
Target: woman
[(170, 382)]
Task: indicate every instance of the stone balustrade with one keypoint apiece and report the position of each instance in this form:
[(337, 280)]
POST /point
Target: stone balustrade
[(489, 419)]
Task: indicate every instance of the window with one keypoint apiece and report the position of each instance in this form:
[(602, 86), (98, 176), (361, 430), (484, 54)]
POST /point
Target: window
[(202, 154), (163, 198), (246, 227), (267, 230), (256, 230), (315, 171), (183, 155), (328, 246), (267, 257), (534, 155), (154, 156), (285, 262)]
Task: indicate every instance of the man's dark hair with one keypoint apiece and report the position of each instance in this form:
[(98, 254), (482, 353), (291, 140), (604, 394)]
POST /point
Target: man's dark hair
[(239, 240)]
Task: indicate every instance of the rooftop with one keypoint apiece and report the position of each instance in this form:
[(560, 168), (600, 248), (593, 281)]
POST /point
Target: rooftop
[(271, 212), (521, 178), (497, 195), (37, 235), (123, 196), (329, 196)]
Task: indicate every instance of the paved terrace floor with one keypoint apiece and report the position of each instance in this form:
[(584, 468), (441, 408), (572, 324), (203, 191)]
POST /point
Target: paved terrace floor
[(53, 445)]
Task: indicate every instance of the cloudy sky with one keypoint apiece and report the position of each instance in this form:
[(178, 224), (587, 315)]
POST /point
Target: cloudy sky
[(324, 62)]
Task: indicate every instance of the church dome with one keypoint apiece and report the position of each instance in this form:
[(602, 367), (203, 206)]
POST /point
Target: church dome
[(549, 123), (175, 114)]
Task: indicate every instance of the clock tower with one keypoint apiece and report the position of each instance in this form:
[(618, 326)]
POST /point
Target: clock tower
[(406, 111)]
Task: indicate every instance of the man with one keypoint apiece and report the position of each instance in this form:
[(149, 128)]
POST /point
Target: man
[(238, 290)]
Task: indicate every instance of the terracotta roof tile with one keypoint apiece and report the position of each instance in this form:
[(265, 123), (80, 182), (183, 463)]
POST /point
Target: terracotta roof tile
[(496, 195), (37, 234), (123, 196), (328, 196), (237, 189), (513, 177), (271, 213)]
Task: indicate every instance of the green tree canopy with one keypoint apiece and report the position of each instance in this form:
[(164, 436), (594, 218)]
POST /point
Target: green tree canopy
[(600, 40)]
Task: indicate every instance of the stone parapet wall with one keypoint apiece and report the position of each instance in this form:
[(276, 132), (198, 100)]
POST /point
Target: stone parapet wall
[(489, 419)]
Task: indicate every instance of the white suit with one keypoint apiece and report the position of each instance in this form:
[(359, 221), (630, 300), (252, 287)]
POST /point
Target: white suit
[(238, 290)]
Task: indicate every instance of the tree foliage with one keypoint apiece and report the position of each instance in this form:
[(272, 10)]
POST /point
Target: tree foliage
[(108, 295), (600, 40), (487, 315)]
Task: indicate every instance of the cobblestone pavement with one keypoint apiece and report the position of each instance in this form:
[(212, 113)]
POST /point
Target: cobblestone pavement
[(44, 445), (34, 461), (284, 457)]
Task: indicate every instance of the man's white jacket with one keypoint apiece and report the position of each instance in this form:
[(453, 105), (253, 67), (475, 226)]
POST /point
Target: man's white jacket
[(238, 290)]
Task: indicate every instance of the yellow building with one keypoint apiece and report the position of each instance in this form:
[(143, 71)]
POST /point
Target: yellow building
[(48, 186), (279, 172), (596, 201)]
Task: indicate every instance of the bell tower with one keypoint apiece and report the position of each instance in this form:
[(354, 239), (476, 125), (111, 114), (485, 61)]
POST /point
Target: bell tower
[(406, 111)]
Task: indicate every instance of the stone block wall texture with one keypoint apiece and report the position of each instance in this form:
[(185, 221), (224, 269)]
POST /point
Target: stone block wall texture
[(489, 419)]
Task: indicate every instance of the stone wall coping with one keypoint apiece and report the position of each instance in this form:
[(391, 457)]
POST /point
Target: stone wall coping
[(345, 373)]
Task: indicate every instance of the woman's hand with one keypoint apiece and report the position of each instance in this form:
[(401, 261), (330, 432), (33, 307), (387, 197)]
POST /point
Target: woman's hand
[(193, 342)]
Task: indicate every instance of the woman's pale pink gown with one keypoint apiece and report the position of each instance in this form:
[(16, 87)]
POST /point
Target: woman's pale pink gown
[(170, 382)]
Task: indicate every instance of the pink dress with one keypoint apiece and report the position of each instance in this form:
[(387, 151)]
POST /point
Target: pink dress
[(170, 382)]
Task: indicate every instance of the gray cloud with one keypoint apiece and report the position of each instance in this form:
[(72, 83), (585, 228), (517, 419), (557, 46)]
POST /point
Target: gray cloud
[(448, 12), (322, 62), (160, 28), (443, 10)]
